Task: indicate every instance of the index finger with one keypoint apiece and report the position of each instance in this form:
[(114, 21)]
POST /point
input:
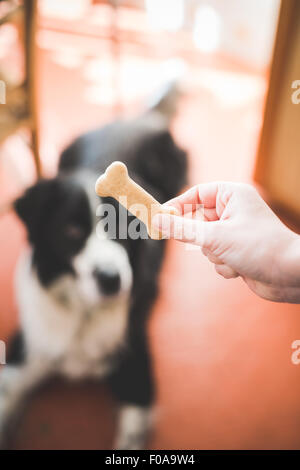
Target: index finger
[(202, 194)]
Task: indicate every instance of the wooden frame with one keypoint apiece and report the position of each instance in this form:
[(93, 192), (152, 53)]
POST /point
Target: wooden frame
[(30, 26), (27, 14), (279, 89)]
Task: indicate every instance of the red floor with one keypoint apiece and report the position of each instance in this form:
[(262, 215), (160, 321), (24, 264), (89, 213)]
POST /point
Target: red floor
[(222, 357)]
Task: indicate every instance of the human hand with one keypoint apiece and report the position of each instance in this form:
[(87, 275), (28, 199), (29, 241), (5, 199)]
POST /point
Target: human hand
[(239, 234)]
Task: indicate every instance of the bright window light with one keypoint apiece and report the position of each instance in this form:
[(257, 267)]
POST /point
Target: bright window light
[(68, 9), (165, 14), (207, 30)]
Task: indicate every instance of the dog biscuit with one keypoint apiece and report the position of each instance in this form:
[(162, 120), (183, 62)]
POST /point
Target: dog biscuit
[(116, 183)]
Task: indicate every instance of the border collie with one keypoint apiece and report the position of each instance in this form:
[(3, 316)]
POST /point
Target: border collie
[(84, 296)]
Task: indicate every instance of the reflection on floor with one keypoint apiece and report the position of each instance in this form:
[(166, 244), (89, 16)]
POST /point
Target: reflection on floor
[(222, 357)]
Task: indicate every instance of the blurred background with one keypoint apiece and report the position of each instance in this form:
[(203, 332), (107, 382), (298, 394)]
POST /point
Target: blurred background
[(222, 357)]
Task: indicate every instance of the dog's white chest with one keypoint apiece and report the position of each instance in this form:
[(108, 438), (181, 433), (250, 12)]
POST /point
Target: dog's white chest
[(97, 337)]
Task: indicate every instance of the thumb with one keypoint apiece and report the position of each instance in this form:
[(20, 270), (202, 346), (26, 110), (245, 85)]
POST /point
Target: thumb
[(184, 229)]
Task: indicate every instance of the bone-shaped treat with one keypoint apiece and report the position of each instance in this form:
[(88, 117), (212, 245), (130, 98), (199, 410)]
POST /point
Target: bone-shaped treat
[(116, 183)]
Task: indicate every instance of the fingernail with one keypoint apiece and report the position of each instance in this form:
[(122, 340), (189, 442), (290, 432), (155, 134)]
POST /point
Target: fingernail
[(170, 210)]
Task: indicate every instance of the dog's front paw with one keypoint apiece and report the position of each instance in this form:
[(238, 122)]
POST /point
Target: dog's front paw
[(134, 428), (3, 419), (8, 381), (131, 442)]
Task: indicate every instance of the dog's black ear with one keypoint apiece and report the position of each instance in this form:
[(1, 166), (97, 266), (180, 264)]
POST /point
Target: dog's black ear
[(162, 164), (33, 203)]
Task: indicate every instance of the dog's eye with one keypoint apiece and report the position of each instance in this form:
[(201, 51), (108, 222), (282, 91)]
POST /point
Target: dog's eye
[(74, 231)]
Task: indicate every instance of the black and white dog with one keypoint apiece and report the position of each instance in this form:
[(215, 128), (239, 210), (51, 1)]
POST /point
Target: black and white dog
[(84, 297)]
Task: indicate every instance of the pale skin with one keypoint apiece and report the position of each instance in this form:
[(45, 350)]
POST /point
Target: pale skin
[(241, 236)]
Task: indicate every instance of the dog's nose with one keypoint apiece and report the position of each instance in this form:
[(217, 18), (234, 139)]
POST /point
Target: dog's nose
[(108, 280)]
